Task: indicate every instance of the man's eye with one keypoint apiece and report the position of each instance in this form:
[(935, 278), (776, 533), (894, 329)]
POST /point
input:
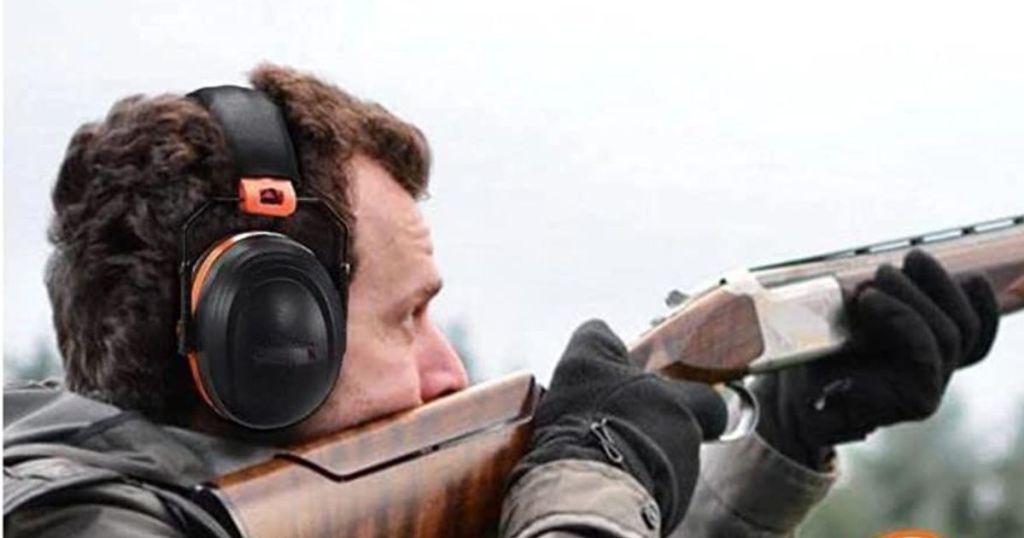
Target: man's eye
[(413, 315), (409, 318)]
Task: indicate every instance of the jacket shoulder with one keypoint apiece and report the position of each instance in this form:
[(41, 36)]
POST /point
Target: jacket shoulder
[(92, 517), (57, 497), (51, 496)]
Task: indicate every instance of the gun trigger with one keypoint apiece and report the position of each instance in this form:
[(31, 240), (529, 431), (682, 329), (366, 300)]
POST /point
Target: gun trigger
[(747, 414)]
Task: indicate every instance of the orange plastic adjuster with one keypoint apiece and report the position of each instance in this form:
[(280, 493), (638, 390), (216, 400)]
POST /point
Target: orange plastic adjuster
[(266, 196)]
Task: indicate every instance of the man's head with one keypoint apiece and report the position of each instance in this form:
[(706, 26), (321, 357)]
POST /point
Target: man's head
[(128, 183)]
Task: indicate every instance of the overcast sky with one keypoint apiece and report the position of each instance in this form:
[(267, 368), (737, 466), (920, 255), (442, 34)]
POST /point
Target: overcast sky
[(587, 159)]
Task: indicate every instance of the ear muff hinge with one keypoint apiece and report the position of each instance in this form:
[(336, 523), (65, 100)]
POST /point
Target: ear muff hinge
[(269, 197)]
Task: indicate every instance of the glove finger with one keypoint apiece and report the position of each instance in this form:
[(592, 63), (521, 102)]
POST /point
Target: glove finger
[(707, 407), (931, 278), (913, 389), (898, 286), (983, 299), (594, 360), (595, 339), (657, 404)]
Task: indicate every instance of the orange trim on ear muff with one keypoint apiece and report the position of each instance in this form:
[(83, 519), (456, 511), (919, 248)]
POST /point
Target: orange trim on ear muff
[(199, 278), (197, 379), (266, 196)]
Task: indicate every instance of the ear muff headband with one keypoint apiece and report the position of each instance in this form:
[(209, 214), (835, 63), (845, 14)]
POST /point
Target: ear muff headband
[(262, 316), (255, 131)]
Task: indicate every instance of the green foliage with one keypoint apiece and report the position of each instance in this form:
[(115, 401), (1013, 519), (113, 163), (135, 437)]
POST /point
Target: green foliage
[(930, 475), (42, 363)]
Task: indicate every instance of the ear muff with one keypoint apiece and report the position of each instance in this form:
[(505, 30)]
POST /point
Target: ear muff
[(269, 330), (262, 316)]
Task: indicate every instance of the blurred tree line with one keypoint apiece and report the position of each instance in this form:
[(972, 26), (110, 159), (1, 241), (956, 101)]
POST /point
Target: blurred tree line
[(41, 363), (935, 475)]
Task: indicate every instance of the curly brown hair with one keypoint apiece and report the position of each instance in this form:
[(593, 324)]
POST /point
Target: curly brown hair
[(125, 188)]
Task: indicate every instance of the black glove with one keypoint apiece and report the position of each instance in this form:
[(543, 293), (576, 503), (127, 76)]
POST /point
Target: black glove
[(601, 407), (910, 330)]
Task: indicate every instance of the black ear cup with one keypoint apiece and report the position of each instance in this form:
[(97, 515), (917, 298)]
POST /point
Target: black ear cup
[(269, 330)]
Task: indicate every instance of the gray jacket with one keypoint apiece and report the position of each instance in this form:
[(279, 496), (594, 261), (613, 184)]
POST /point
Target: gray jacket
[(121, 475)]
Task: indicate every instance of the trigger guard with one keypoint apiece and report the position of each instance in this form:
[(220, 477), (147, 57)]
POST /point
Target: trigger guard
[(749, 413)]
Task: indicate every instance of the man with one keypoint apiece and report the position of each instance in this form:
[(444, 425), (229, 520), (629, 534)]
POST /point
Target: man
[(616, 451)]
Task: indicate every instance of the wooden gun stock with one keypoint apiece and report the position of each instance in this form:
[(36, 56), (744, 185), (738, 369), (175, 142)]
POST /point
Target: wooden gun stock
[(439, 470)]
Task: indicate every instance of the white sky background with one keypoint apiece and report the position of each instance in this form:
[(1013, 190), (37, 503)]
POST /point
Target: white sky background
[(587, 159)]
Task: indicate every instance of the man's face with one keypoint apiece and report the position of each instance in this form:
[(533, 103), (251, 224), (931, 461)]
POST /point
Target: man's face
[(396, 357)]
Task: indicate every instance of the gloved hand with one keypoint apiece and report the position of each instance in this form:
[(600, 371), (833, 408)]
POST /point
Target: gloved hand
[(910, 330), (601, 407)]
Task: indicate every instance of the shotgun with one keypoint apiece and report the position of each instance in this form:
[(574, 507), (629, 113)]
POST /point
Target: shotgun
[(439, 470)]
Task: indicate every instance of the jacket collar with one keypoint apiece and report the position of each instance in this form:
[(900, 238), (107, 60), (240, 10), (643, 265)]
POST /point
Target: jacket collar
[(46, 420)]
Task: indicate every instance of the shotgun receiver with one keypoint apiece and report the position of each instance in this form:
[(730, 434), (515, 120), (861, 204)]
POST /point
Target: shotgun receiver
[(762, 319), (439, 470)]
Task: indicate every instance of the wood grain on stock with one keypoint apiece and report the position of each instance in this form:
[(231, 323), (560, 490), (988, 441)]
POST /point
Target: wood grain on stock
[(389, 478), (711, 340)]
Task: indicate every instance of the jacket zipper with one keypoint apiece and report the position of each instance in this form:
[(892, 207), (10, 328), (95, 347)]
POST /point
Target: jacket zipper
[(600, 430)]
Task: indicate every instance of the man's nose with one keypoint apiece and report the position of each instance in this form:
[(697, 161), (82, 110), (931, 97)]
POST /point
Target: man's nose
[(441, 369)]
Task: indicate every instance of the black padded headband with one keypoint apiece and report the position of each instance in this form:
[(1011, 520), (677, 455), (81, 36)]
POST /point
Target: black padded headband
[(256, 132)]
